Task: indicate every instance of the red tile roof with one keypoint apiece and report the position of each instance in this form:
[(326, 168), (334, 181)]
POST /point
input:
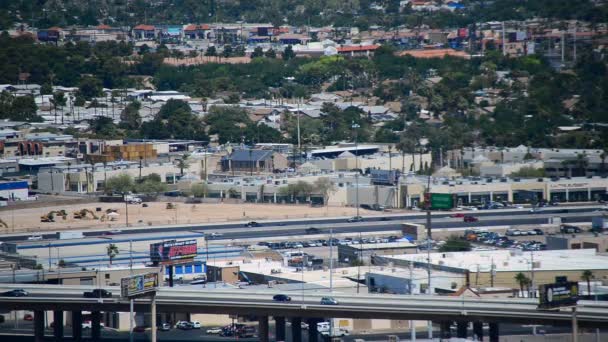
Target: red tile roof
[(434, 53), (104, 27), (144, 27), (193, 27), (358, 48)]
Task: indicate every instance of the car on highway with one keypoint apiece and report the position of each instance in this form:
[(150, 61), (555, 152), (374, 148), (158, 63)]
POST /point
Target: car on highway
[(281, 298), (329, 301), (15, 293), (457, 215), (35, 238), (195, 324), (385, 218), (215, 234), (98, 293), (164, 327), (214, 331), (313, 230), (469, 218), (114, 232), (355, 219), (252, 224)]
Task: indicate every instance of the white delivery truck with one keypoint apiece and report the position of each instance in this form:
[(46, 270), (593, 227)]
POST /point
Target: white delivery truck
[(69, 235)]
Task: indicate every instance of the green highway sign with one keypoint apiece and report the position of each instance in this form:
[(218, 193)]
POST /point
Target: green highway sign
[(441, 201)]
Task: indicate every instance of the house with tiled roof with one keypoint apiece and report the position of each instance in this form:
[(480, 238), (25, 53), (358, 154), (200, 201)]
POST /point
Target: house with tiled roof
[(358, 50), (144, 32), (194, 31)]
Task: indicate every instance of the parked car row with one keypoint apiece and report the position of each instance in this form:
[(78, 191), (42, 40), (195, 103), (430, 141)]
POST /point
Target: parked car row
[(500, 241), (517, 232), (324, 242)]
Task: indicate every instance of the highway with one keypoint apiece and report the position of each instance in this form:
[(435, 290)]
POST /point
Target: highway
[(339, 225), (260, 303)]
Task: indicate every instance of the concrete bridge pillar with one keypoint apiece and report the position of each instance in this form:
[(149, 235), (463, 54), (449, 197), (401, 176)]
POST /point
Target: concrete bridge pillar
[(279, 323), (478, 331), (296, 329), (444, 330), (313, 333), (38, 325), (461, 329), (58, 325), (494, 333), (77, 326), (95, 326), (263, 328)]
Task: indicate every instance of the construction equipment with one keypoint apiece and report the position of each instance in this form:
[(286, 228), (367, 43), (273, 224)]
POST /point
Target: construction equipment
[(50, 217), (171, 206), (81, 214)]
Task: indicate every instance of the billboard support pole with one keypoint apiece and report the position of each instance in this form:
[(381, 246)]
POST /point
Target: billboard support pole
[(153, 318), (574, 325), (131, 325)]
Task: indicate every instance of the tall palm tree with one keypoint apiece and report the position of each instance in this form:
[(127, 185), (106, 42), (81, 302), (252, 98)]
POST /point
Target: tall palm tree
[(581, 163), (408, 145), (603, 157), (183, 163), (587, 276), (522, 280), (112, 251)]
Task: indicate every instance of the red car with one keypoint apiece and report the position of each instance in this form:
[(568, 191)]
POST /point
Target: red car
[(28, 317), (457, 215), (139, 329), (468, 218)]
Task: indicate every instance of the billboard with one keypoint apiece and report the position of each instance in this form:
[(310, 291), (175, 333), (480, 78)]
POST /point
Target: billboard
[(558, 295), (138, 284), (439, 201), (173, 251)]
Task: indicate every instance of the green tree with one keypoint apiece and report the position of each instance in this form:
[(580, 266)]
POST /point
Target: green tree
[(288, 53), (270, 53), (199, 190), (257, 52), (58, 100), (211, 51), (325, 187), (227, 51), (122, 183), (151, 185), (112, 251), (89, 87), (129, 117), (455, 244)]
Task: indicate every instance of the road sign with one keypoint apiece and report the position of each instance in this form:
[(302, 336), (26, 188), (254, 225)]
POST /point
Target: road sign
[(138, 285), (558, 295), (441, 201), (171, 252)]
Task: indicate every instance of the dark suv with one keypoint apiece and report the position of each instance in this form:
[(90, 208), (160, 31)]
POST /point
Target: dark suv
[(98, 293), (281, 298)]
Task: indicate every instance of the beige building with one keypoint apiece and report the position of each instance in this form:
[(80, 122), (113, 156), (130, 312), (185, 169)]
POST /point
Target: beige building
[(480, 190)]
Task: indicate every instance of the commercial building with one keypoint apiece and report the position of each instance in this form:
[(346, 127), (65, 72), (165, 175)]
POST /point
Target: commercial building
[(14, 190), (133, 152), (599, 242), (253, 161), (364, 252), (479, 190), (398, 280), (499, 267)]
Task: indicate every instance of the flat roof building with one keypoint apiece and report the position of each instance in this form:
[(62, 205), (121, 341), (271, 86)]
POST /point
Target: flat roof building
[(364, 252)]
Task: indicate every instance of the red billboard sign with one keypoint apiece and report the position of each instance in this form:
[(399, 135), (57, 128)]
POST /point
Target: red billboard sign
[(173, 251)]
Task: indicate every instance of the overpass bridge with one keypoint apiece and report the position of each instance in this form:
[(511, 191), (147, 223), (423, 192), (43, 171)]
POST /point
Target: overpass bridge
[(444, 310)]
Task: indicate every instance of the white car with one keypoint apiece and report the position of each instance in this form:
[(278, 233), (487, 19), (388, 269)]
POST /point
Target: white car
[(216, 234), (89, 325), (196, 324), (35, 238), (214, 331)]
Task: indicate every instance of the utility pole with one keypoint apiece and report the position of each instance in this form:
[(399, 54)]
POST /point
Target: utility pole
[(359, 263), (331, 261), (532, 275)]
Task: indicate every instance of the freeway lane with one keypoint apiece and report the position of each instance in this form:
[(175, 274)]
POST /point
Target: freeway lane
[(506, 213), (260, 303)]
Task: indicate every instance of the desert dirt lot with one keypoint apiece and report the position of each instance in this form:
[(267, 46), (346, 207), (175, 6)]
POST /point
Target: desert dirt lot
[(28, 220)]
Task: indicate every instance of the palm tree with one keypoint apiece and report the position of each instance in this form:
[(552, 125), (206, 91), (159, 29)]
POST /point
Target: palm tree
[(112, 251), (603, 157), (183, 163), (408, 145), (581, 163), (587, 276), (522, 280)]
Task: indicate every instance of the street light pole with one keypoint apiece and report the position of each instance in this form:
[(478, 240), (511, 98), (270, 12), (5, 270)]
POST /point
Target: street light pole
[(354, 127)]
